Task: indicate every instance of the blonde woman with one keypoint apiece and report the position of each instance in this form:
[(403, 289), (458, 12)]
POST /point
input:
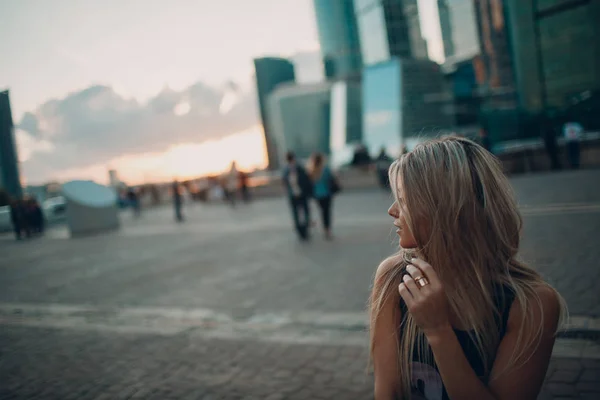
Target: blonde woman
[(454, 315)]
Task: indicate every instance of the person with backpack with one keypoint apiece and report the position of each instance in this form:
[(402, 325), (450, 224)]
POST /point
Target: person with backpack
[(325, 186)]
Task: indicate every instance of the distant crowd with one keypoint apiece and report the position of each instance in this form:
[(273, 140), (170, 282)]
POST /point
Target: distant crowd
[(27, 218)]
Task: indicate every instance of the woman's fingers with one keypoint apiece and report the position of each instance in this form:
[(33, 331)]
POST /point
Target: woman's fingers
[(411, 285), (416, 275), (427, 271), (405, 294)]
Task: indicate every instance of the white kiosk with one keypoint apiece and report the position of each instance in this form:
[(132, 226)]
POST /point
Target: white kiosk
[(91, 208)]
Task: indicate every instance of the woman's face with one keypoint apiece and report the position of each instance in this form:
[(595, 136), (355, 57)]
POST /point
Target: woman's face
[(398, 212)]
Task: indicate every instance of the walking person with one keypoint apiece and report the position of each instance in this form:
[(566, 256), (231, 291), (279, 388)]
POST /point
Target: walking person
[(177, 201), (230, 185), (243, 185), (17, 217), (549, 136), (324, 187), (134, 202), (36, 217), (573, 132), (382, 164), (299, 189), (455, 314)]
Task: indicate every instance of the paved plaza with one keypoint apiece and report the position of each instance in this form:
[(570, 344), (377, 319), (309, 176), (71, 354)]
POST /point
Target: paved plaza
[(231, 305)]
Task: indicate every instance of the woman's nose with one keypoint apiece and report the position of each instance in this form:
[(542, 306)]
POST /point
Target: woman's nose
[(392, 211)]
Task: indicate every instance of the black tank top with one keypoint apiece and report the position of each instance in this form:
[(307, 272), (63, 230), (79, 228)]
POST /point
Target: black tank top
[(426, 382)]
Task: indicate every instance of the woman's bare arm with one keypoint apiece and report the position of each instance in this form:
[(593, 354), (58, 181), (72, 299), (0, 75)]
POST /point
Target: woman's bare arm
[(522, 382), (385, 350)]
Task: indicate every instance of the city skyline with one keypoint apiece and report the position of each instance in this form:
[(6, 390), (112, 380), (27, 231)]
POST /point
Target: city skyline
[(143, 56)]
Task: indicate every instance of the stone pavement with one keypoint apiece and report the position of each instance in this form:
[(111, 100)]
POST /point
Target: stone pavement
[(231, 305)]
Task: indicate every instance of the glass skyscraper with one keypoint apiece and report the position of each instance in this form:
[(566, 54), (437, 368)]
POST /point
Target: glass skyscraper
[(411, 12), (9, 162), (389, 28), (338, 37), (556, 52), (383, 29), (300, 118), (459, 29), (403, 104), (496, 48), (271, 72), (446, 28)]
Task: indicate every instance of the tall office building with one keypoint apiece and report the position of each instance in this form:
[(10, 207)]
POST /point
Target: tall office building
[(401, 104), (338, 37), (300, 118), (446, 28), (383, 29), (459, 29), (9, 162), (556, 51), (270, 72), (418, 43), (496, 72)]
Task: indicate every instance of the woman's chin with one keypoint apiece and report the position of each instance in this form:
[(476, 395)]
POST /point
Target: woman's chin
[(407, 246)]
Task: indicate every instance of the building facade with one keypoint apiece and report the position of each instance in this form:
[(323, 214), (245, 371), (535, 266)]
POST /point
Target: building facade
[(10, 180), (384, 30), (338, 38), (271, 72), (496, 76), (418, 43), (446, 28), (404, 102), (462, 83), (300, 118), (345, 131), (556, 51), (496, 48), (459, 31)]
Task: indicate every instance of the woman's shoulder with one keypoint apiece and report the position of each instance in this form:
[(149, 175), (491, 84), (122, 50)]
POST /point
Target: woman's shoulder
[(388, 265), (543, 306)]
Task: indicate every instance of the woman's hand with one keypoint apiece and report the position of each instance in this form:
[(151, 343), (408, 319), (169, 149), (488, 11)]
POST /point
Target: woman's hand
[(426, 301)]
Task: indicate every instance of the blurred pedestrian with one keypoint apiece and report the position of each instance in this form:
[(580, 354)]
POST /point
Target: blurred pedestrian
[(230, 184), (243, 186), (177, 201), (299, 189), (573, 132), (325, 187), (134, 202), (382, 164), (361, 157), (455, 314), (550, 144), (35, 217), (18, 218)]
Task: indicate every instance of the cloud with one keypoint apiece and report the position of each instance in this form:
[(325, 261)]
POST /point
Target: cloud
[(96, 124)]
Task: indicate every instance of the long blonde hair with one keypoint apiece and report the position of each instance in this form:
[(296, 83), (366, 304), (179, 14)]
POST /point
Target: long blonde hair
[(469, 230)]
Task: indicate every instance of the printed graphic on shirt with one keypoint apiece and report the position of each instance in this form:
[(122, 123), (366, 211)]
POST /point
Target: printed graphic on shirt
[(426, 382)]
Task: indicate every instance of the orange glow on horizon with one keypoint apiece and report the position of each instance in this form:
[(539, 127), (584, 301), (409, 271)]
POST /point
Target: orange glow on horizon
[(182, 161)]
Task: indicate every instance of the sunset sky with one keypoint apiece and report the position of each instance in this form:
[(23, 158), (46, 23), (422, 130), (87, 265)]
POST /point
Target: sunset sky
[(151, 88)]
